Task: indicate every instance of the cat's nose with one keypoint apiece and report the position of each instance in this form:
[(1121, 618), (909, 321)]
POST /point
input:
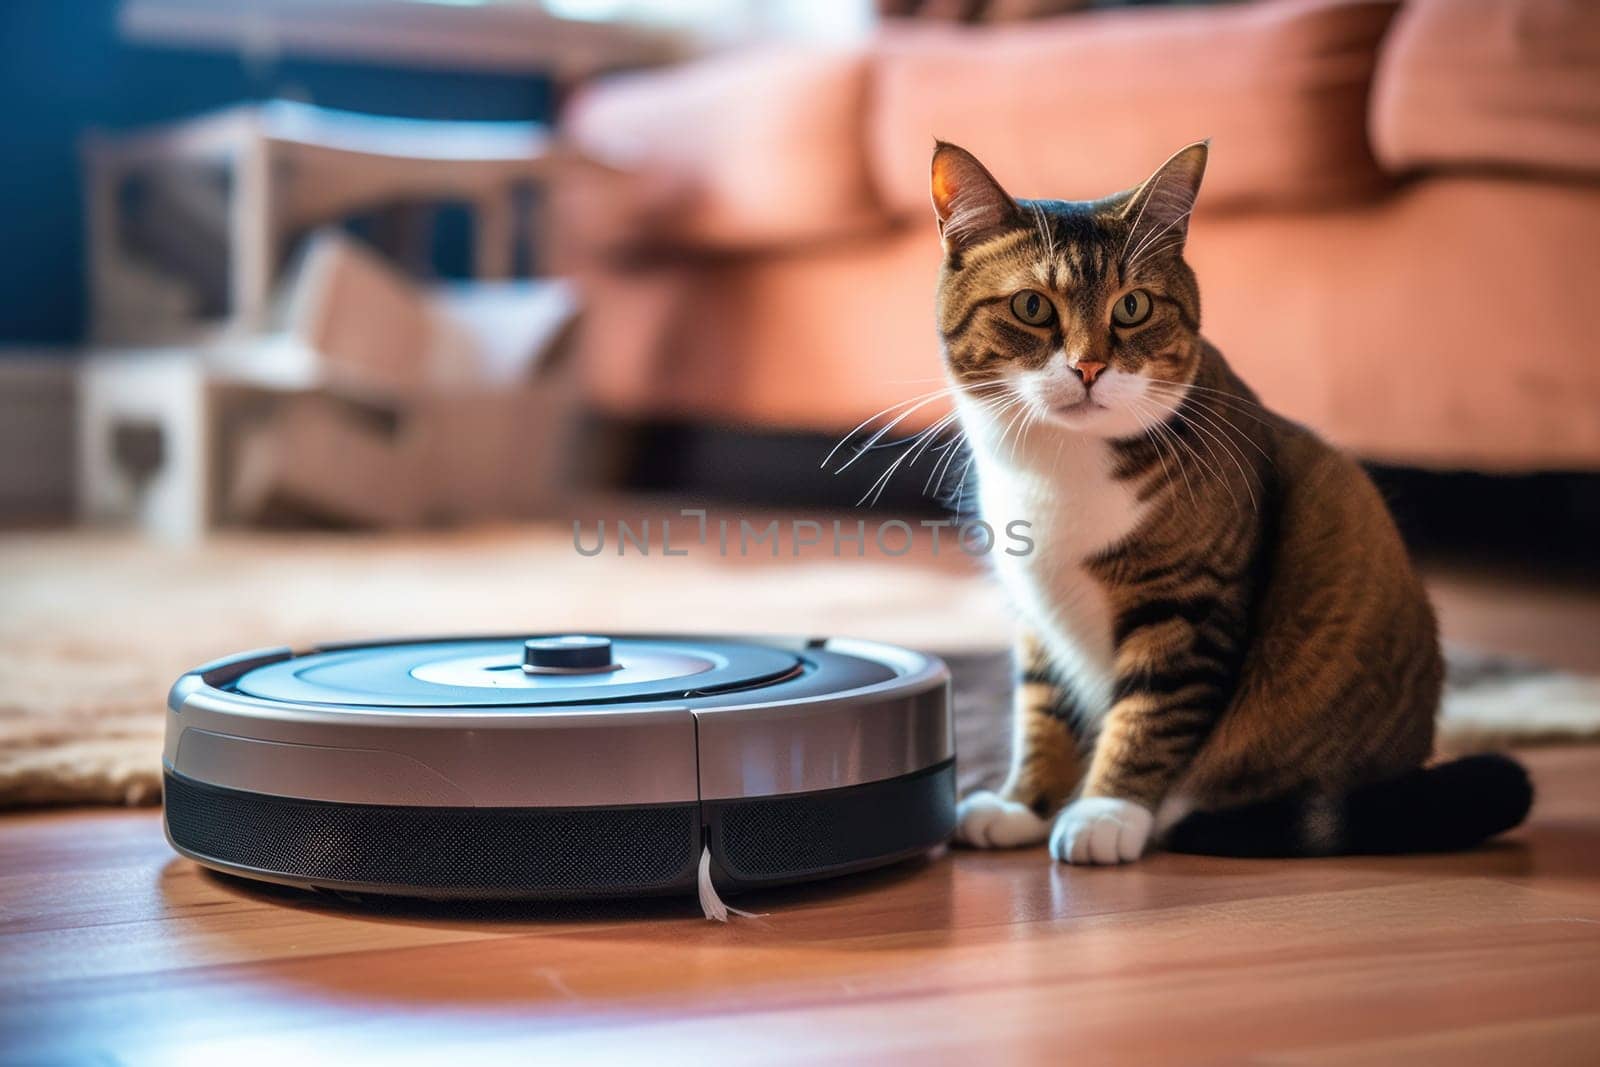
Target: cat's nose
[(1088, 370)]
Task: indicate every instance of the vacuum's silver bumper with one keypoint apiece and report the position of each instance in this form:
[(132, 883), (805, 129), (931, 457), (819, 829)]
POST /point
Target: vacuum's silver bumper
[(571, 757)]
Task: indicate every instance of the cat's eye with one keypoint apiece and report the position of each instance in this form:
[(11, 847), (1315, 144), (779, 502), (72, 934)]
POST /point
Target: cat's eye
[(1032, 308), (1131, 308)]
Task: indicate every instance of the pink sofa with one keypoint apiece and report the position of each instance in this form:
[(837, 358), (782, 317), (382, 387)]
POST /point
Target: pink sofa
[(1398, 240)]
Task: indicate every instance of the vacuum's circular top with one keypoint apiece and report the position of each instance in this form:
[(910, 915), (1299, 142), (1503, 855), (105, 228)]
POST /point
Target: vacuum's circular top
[(554, 671)]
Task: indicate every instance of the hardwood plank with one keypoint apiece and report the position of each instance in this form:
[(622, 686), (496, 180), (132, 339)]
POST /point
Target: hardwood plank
[(111, 946), (1561, 1042)]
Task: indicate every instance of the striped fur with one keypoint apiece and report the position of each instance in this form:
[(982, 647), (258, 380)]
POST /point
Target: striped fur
[(1219, 612)]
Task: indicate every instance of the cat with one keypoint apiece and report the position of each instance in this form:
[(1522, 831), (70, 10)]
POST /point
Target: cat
[(1223, 647)]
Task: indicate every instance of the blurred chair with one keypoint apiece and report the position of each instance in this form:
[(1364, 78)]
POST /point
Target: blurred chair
[(338, 389), (245, 180)]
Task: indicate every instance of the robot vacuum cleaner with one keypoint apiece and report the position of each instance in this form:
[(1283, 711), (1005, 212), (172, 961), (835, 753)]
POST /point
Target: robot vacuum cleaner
[(560, 766)]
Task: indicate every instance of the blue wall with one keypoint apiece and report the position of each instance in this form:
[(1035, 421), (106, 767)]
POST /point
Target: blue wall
[(65, 70)]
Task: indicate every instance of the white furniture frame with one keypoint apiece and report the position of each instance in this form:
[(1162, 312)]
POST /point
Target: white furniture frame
[(294, 166)]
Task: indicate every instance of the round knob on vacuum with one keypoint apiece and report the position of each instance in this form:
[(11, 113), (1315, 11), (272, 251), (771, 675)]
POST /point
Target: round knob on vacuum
[(568, 653)]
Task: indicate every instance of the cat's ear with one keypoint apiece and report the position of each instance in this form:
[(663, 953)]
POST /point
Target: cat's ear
[(1159, 209), (968, 202)]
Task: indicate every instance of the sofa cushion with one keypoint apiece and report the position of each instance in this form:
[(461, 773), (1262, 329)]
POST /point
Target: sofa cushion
[(1442, 326), (763, 145), (1089, 104), (1492, 83)]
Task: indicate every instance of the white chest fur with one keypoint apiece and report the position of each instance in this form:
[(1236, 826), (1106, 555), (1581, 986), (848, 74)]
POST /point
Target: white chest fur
[(1061, 484)]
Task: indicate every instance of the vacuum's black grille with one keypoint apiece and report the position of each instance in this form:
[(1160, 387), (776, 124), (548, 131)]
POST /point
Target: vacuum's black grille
[(785, 838), (553, 851)]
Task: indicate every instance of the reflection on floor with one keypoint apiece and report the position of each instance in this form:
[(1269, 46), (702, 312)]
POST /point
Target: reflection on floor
[(117, 949)]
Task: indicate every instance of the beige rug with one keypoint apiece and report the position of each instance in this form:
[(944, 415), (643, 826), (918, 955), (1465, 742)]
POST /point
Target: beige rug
[(1489, 704), (93, 630)]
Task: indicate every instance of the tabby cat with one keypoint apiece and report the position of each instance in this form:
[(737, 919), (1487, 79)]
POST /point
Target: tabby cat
[(1223, 646)]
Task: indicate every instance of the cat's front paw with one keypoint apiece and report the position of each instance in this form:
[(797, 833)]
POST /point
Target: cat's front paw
[(1101, 830), (988, 820)]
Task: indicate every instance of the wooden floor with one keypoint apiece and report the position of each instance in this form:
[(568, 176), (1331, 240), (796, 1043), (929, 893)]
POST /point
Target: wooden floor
[(112, 949)]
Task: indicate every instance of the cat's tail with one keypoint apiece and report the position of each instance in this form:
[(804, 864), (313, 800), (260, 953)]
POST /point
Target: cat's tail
[(1442, 808)]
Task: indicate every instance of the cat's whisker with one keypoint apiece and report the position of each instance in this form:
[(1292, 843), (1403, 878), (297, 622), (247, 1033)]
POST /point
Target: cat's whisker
[(935, 479), (920, 398), (1243, 407), (1207, 440), (995, 408), (1214, 405), (875, 490), (999, 400), (916, 403), (961, 486), (1200, 461), (1198, 386), (1158, 431), (1023, 410), (1055, 460), (1221, 423), (1199, 407), (1228, 451), (948, 389), (1034, 414), (1216, 418), (1221, 394), (935, 483), (1020, 411), (931, 434), (998, 411), (917, 445), (1144, 428)]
